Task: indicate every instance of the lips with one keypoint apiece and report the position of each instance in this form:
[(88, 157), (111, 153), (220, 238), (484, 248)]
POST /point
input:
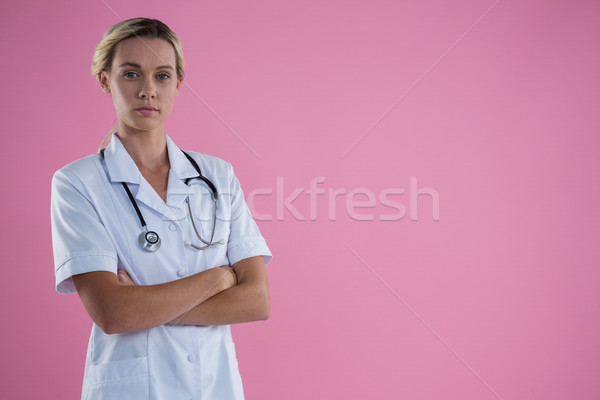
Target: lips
[(146, 110)]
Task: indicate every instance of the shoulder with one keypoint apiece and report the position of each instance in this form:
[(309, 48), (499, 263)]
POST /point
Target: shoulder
[(80, 172), (83, 166)]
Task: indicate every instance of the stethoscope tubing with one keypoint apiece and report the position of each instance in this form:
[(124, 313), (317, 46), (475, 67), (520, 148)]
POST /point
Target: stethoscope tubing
[(150, 240)]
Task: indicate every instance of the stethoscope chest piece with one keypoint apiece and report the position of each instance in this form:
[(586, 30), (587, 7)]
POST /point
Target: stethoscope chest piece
[(149, 240)]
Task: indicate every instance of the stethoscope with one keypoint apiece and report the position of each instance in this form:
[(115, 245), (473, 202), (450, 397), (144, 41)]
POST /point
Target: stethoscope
[(150, 241)]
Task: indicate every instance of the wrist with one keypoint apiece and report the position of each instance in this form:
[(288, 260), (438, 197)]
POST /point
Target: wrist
[(227, 277)]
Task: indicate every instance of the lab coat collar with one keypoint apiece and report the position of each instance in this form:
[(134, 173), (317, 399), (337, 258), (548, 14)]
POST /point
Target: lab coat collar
[(121, 168), (181, 169), (119, 164)]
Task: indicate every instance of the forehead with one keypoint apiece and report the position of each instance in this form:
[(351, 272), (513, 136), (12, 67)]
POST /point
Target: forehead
[(147, 52)]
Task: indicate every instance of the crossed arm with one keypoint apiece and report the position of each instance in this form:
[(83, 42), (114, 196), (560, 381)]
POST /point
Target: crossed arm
[(217, 296)]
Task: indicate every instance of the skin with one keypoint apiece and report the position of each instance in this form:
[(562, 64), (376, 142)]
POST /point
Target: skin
[(217, 296), (153, 82)]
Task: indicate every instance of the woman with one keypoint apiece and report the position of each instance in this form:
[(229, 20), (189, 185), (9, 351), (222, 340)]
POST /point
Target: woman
[(158, 243)]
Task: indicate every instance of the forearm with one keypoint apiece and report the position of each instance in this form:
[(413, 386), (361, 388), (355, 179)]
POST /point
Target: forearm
[(245, 302), (241, 303), (117, 308)]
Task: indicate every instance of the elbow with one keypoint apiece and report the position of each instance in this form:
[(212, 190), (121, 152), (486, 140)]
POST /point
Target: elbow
[(263, 313), (112, 323), (104, 301), (109, 330), (264, 308), (106, 326), (114, 328), (110, 326), (265, 316)]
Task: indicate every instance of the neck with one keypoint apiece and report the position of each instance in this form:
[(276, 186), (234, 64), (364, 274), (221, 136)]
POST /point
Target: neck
[(147, 149)]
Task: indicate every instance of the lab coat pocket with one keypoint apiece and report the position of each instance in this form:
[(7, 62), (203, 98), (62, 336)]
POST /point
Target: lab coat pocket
[(216, 254), (207, 222), (123, 379)]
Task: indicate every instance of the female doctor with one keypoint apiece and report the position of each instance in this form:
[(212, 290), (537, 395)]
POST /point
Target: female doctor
[(158, 243)]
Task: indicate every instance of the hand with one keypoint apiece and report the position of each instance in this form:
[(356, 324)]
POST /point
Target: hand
[(124, 278)]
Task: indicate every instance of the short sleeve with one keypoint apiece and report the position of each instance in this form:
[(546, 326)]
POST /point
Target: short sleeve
[(245, 239), (79, 239)]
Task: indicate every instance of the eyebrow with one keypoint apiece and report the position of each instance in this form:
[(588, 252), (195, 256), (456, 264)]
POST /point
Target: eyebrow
[(131, 64)]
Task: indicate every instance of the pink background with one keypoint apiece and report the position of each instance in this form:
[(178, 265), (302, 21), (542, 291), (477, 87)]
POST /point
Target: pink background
[(493, 105)]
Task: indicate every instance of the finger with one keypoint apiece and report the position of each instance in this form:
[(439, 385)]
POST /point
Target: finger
[(124, 278)]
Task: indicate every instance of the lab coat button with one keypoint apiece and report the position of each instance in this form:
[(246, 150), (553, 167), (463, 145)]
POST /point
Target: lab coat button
[(192, 358), (172, 227), (182, 272)]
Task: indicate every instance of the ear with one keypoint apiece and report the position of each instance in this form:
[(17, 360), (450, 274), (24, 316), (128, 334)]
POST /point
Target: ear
[(103, 79), (178, 86)]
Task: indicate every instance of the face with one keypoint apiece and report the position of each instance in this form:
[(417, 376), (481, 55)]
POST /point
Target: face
[(143, 84)]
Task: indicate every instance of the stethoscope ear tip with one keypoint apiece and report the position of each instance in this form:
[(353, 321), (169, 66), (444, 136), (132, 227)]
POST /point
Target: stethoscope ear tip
[(221, 242), (187, 243)]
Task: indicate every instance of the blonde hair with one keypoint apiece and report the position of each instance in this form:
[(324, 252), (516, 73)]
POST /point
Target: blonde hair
[(135, 27)]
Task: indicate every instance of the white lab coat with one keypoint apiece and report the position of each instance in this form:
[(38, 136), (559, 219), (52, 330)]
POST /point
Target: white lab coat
[(95, 228)]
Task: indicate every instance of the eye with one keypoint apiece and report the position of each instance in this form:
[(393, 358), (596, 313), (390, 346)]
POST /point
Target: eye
[(130, 75), (163, 77)]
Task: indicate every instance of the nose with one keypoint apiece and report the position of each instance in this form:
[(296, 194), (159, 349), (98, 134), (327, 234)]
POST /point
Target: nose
[(147, 90)]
